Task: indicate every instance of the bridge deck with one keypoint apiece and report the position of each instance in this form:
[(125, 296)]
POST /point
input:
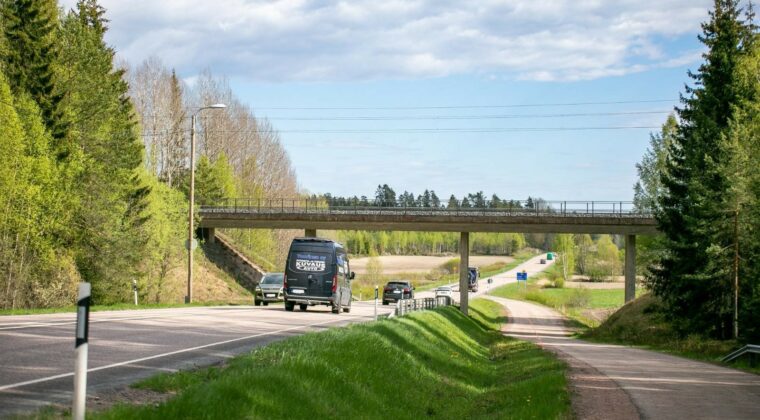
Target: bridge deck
[(613, 221)]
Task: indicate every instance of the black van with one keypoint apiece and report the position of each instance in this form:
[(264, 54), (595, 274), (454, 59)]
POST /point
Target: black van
[(317, 273)]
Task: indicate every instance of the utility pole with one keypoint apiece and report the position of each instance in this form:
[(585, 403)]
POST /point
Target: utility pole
[(190, 227), (736, 273)]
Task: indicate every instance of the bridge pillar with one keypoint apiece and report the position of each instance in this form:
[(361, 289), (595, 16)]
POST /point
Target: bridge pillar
[(207, 234), (630, 267), (310, 233), (464, 272)]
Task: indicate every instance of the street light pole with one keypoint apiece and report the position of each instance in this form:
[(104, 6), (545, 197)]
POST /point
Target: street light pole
[(191, 211)]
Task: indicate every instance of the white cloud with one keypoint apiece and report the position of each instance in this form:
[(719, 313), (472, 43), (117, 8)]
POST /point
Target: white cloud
[(323, 40)]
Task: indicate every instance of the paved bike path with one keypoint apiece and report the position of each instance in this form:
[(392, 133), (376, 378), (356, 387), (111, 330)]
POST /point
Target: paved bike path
[(659, 385)]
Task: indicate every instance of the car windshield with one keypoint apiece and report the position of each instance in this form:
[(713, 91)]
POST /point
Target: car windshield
[(272, 279), (444, 289), (397, 284)]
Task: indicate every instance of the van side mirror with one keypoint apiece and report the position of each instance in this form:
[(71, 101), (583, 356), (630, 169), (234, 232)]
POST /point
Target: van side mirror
[(351, 276)]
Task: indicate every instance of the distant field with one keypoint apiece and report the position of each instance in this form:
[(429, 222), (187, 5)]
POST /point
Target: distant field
[(395, 264)]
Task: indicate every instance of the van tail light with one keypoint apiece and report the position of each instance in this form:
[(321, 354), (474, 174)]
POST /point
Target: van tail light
[(335, 283), (285, 281), (406, 290)]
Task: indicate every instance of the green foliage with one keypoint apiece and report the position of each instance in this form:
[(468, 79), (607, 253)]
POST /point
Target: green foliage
[(32, 268), (428, 243), (30, 58), (693, 276), (565, 248), (452, 367)]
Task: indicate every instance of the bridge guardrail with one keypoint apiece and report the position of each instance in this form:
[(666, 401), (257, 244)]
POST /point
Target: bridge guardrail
[(405, 306), (487, 208)]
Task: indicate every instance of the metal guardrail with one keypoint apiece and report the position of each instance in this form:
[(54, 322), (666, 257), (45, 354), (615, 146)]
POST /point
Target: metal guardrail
[(749, 348), (485, 208), (405, 306)]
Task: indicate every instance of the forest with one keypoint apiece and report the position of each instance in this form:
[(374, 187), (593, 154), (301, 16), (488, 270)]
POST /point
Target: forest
[(96, 161), (700, 178)]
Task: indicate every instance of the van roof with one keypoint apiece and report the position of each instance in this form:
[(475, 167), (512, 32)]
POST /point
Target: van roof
[(318, 240)]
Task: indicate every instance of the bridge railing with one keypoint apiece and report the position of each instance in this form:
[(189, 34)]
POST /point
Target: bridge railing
[(401, 207)]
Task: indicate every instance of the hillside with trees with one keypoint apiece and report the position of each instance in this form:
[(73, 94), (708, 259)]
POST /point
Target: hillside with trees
[(96, 161), (700, 178)]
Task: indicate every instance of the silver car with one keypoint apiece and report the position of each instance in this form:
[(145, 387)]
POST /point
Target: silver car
[(443, 291), (269, 289)]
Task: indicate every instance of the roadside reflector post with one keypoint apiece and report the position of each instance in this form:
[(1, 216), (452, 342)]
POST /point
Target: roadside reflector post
[(375, 302), (134, 290), (80, 368)]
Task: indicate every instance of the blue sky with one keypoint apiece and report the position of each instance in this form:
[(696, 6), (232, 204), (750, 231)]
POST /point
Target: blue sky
[(407, 65)]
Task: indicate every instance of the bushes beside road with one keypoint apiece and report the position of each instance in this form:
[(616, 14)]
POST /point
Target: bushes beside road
[(436, 364)]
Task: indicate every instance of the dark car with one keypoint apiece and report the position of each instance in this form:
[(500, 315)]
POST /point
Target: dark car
[(317, 273), (397, 290), (473, 276), (269, 289)]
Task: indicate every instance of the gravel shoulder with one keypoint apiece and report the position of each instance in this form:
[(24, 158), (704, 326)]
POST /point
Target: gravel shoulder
[(656, 385)]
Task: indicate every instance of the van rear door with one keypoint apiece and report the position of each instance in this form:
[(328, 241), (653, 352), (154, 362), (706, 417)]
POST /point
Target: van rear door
[(308, 270)]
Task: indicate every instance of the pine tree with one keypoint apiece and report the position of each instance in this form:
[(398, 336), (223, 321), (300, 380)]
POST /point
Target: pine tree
[(693, 277)]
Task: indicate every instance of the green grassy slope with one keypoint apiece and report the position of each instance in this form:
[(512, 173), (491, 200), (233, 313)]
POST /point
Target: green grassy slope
[(436, 364)]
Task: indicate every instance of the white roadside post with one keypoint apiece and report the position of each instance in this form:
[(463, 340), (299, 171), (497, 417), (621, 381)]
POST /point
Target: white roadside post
[(80, 369), (134, 289), (375, 302)]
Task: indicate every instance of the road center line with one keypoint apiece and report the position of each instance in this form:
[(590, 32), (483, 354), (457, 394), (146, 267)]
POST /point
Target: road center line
[(171, 353)]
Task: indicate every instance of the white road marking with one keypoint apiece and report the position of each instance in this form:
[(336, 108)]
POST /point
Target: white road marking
[(171, 353)]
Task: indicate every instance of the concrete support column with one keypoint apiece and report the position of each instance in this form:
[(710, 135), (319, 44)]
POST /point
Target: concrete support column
[(464, 272), (630, 267), (210, 235), (310, 233)]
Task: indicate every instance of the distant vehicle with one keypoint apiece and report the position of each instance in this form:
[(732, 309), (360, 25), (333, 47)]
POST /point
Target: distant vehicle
[(397, 290), (269, 289), (317, 273), (542, 261), (474, 276), (443, 291)]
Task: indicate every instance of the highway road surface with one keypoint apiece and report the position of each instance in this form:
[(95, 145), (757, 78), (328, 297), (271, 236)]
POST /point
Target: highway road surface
[(37, 351), (654, 385)]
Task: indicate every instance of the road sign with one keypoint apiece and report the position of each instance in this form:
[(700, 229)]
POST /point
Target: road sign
[(522, 276)]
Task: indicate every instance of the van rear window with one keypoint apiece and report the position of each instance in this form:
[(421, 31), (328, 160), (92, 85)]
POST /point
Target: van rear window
[(308, 261)]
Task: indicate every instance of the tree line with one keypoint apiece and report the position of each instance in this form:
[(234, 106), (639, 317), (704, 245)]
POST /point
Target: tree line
[(700, 178), (93, 186), (428, 243), (385, 196)]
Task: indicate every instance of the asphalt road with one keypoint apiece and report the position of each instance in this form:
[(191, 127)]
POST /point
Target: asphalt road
[(660, 386), (37, 351), (532, 267)]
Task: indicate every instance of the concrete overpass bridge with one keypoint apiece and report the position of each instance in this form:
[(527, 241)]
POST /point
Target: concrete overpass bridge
[(593, 217)]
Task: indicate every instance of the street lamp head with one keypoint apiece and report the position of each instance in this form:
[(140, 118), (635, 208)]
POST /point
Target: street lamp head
[(217, 106)]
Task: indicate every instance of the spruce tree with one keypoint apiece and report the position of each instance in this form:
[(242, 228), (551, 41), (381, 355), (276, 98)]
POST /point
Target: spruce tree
[(693, 276), (30, 56), (113, 198)]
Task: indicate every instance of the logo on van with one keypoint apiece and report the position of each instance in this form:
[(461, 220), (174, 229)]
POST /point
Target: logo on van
[(309, 262)]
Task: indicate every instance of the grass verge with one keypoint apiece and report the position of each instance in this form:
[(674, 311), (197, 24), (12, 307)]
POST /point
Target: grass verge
[(437, 364), (574, 303)]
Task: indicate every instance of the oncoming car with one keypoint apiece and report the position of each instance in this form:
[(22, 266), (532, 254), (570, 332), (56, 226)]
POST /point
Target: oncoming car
[(269, 289), (443, 291)]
